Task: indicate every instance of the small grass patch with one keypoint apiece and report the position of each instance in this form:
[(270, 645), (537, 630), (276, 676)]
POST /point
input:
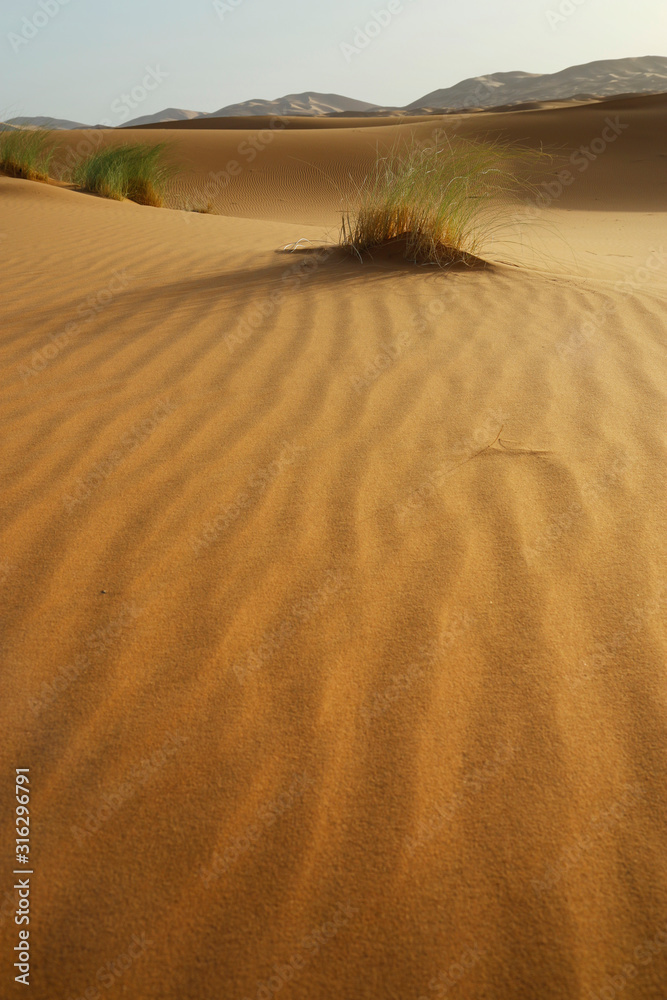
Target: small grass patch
[(138, 172), (199, 208), (441, 202), (26, 153)]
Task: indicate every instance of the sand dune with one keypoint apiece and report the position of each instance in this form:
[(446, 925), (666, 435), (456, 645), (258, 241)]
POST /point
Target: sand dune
[(295, 104), (280, 158), (334, 594), (601, 79)]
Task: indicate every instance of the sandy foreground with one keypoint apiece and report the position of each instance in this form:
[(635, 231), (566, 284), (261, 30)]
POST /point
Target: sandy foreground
[(334, 595)]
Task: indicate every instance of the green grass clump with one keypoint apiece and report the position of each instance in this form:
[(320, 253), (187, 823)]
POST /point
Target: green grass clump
[(26, 153), (442, 201), (137, 172)]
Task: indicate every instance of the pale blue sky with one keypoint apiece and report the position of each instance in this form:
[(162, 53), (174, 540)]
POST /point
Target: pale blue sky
[(89, 52)]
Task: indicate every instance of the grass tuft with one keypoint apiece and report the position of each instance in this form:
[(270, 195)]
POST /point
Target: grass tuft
[(440, 202), (26, 153), (137, 172), (200, 208)]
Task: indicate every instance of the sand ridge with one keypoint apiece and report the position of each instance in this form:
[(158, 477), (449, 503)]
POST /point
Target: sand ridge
[(334, 595)]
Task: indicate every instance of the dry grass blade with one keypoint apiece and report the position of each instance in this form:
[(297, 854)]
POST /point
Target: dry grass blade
[(443, 201), (137, 172), (26, 153)]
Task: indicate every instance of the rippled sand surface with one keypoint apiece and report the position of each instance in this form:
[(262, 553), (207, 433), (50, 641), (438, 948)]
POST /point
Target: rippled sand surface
[(334, 595)]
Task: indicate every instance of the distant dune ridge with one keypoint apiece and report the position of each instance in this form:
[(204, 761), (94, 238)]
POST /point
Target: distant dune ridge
[(43, 121), (296, 104), (604, 78), (168, 115)]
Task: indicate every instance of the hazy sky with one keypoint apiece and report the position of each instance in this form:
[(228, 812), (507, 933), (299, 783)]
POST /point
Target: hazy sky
[(84, 54)]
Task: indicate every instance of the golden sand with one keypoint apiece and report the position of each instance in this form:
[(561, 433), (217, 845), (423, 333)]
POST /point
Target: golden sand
[(335, 594)]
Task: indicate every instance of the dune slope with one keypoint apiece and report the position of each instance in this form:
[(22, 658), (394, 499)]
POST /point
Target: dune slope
[(334, 599)]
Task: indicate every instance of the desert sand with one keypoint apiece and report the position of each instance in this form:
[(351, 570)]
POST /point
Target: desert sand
[(334, 593)]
